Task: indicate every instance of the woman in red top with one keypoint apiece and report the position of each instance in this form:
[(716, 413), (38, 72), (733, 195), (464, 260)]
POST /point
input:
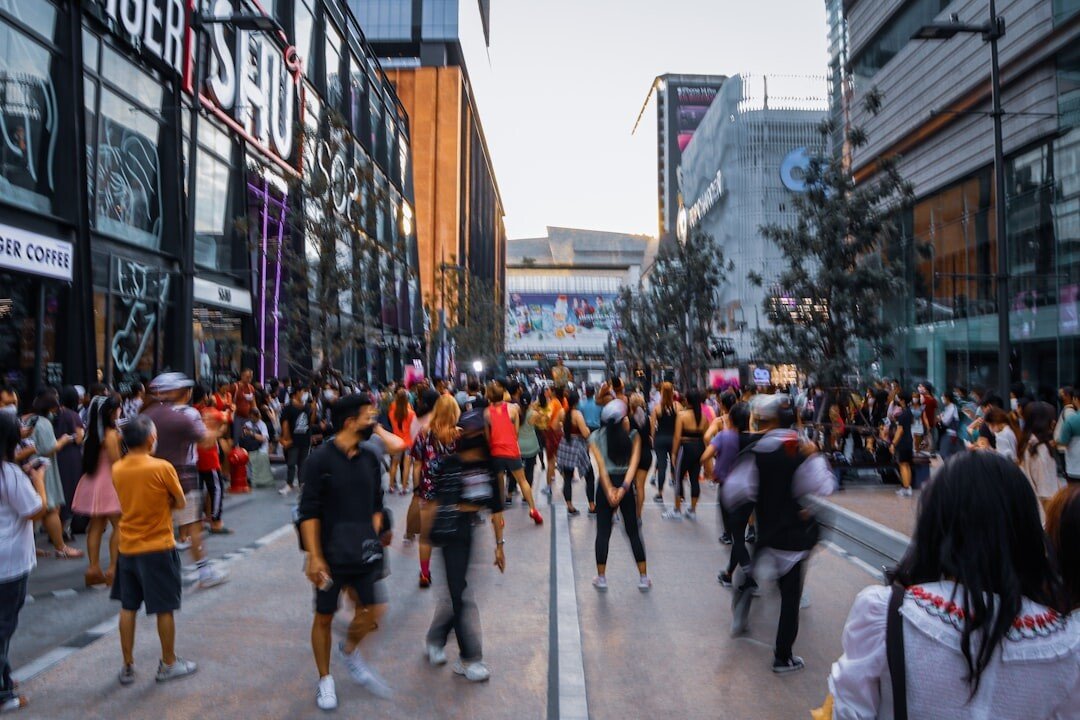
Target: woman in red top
[(401, 420), (502, 420)]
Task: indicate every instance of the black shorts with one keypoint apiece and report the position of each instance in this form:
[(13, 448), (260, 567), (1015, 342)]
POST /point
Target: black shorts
[(326, 601), (152, 578), (645, 461), (506, 465)]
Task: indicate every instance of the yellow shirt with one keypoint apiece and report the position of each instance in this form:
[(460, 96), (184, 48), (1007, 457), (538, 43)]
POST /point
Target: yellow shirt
[(145, 485)]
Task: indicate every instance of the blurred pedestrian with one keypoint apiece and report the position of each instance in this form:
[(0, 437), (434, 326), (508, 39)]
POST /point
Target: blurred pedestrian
[(148, 570), (255, 428), (1037, 455), (1063, 529), (95, 496), (46, 446), (69, 459), (297, 425)]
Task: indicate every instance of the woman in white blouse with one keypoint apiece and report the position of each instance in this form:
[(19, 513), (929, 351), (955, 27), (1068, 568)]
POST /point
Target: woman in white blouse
[(983, 618)]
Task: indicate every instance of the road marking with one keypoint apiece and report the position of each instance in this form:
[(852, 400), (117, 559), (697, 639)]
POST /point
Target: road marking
[(573, 699), (272, 536), (41, 664), (856, 561), (68, 593)]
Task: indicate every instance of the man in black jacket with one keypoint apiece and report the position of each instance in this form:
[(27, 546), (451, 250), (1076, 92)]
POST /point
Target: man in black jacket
[(776, 473)]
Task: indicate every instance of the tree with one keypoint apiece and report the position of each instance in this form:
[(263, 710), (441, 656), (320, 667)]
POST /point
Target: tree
[(475, 319), (670, 319), (836, 284)]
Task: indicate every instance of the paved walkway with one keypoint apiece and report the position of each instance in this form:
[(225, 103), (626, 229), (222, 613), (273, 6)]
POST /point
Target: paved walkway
[(882, 505), (666, 653)]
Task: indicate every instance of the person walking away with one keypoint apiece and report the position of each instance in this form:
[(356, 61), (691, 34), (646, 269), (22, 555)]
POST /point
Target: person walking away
[(46, 446), (528, 440), (95, 496), (930, 413), (340, 516), (689, 444), (1037, 456), (464, 487), (777, 473), (1063, 530), (425, 406), (22, 501), (725, 448), (243, 401), (180, 431), (948, 427), (663, 420), (401, 420), (616, 449), (547, 416), (590, 410), (641, 423), (1069, 439), (69, 459), (432, 446), (208, 458), (258, 434), (975, 616), (297, 421), (501, 420), (148, 567), (573, 455), (902, 445), (560, 374)]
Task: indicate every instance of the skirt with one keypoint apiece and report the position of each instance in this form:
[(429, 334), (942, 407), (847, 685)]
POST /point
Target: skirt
[(95, 495), (573, 454), (552, 440)]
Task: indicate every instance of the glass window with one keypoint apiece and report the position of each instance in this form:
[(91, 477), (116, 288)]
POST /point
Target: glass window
[(129, 198), (303, 28), (91, 49), (144, 87), (29, 120), (213, 213), (384, 20), (1064, 9), (892, 38), (1068, 88), (358, 103), (333, 68), (38, 16), (440, 20)]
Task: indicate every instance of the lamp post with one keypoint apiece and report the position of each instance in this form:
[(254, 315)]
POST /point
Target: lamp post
[(991, 32), (199, 21)]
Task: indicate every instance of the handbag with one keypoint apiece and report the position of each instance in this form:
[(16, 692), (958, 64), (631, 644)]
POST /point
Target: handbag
[(894, 652), (445, 527)]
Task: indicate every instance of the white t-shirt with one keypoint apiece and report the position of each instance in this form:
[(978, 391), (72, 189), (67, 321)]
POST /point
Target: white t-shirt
[(18, 501)]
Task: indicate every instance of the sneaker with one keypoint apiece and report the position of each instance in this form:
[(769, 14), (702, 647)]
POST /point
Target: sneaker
[(436, 655), (572, 511), (644, 583), (326, 695), (509, 500), (536, 517), (546, 490), (671, 515), (691, 514), (178, 669), (751, 536), (473, 672), (725, 539), (740, 610), (904, 492), (363, 674), (658, 498), (212, 577), (425, 580), (406, 542), (183, 545), (804, 601), (127, 674), (792, 664), (283, 491), (600, 582), (724, 579)]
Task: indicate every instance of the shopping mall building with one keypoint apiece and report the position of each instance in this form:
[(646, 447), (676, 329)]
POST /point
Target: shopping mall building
[(935, 118), (95, 111)]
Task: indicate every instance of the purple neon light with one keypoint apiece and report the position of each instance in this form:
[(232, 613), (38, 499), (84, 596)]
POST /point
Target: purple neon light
[(277, 284), (262, 281)]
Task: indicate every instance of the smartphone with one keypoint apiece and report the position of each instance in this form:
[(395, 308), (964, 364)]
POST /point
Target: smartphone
[(39, 462), (327, 583)]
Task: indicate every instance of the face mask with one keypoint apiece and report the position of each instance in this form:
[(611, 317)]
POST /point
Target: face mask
[(9, 409), (366, 433), (328, 395), (305, 397), (1014, 403)]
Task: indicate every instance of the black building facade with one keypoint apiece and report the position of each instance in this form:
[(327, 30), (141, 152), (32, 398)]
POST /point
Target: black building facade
[(95, 105)]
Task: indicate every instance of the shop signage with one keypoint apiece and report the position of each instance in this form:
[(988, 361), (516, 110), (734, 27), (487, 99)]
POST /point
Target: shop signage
[(794, 168), (28, 252), (222, 296), (157, 26), (762, 376), (690, 217)]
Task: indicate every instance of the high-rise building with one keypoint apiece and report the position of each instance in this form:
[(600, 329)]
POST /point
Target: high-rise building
[(936, 118), (434, 52), (681, 103)]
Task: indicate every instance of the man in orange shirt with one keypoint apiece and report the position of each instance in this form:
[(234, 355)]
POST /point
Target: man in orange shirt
[(243, 401), (148, 569)]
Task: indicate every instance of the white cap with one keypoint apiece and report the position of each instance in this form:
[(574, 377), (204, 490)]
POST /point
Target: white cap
[(169, 381), (613, 411)]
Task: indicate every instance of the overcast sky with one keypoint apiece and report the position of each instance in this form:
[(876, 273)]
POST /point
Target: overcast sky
[(568, 78)]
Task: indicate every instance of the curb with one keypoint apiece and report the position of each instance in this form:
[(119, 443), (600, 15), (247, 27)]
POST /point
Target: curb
[(871, 541), (44, 662)]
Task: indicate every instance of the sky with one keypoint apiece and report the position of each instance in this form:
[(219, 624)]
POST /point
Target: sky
[(567, 78)]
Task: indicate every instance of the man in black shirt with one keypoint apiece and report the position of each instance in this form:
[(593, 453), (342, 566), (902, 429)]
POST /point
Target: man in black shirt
[(340, 516), (297, 419)]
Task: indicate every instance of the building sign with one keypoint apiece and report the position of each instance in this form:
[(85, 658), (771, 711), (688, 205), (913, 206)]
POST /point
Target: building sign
[(251, 83), (29, 252), (794, 168), (222, 296), (762, 376), (690, 218), (552, 321)]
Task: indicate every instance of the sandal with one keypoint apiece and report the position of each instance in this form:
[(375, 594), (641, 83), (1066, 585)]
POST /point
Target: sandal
[(69, 553), (221, 531)]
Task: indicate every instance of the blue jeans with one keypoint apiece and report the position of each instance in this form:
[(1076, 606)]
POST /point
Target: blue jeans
[(12, 597)]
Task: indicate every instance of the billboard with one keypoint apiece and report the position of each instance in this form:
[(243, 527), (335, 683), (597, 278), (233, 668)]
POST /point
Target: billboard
[(559, 321), (691, 104)]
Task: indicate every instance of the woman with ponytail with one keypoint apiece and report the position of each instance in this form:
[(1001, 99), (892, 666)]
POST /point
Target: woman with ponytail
[(95, 496)]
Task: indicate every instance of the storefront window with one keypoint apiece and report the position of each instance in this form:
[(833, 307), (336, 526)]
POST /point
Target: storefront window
[(135, 309), (333, 68), (20, 296), (29, 110), (303, 27), (218, 344), (215, 197), (358, 103)]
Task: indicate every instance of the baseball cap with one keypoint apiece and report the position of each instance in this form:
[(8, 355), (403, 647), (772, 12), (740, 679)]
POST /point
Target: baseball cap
[(169, 381), (614, 411), (769, 407)]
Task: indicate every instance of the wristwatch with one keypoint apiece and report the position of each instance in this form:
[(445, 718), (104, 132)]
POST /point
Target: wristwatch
[(500, 542)]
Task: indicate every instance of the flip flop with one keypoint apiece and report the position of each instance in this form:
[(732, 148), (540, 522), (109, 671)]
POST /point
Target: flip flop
[(221, 531)]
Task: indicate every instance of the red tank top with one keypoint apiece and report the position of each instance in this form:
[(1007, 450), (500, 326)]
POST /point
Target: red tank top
[(504, 442)]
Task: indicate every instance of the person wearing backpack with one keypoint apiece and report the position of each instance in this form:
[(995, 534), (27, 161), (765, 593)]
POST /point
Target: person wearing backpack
[(777, 473)]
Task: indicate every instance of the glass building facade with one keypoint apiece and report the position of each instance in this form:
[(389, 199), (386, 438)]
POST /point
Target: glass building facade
[(94, 146)]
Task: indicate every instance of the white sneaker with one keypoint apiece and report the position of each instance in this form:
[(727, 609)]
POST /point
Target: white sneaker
[(183, 545), (362, 673), (600, 582), (473, 672), (436, 655), (283, 491), (326, 695), (212, 578), (644, 583), (671, 515), (691, 514), (904, 492), (804, 601)]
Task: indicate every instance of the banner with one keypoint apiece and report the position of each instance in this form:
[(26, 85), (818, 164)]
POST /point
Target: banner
[(574, 321)]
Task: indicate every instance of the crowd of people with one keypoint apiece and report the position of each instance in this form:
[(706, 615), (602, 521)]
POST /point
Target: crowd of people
[(991, 587)]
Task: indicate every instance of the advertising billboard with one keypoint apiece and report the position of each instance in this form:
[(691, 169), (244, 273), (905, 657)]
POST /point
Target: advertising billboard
[(559, 321), (691, 104)]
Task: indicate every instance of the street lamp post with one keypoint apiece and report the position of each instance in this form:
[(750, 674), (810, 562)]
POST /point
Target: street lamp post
[(991, 32), (199, 21)]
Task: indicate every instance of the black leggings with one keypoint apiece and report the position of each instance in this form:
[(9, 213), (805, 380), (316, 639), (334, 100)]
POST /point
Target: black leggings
[(214, 485), (568, 486), (735, 526), (688, 462), (662, 445), (604, 518)]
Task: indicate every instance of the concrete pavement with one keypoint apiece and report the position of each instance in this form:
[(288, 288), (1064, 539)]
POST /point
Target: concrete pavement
[(665, 653)]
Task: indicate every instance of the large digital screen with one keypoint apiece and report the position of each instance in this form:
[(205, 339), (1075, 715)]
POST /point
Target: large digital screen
[(691, 104), (570, 321)]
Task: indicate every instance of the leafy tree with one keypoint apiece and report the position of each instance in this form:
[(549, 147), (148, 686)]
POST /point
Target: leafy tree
[(836, 285), (475, 320)]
